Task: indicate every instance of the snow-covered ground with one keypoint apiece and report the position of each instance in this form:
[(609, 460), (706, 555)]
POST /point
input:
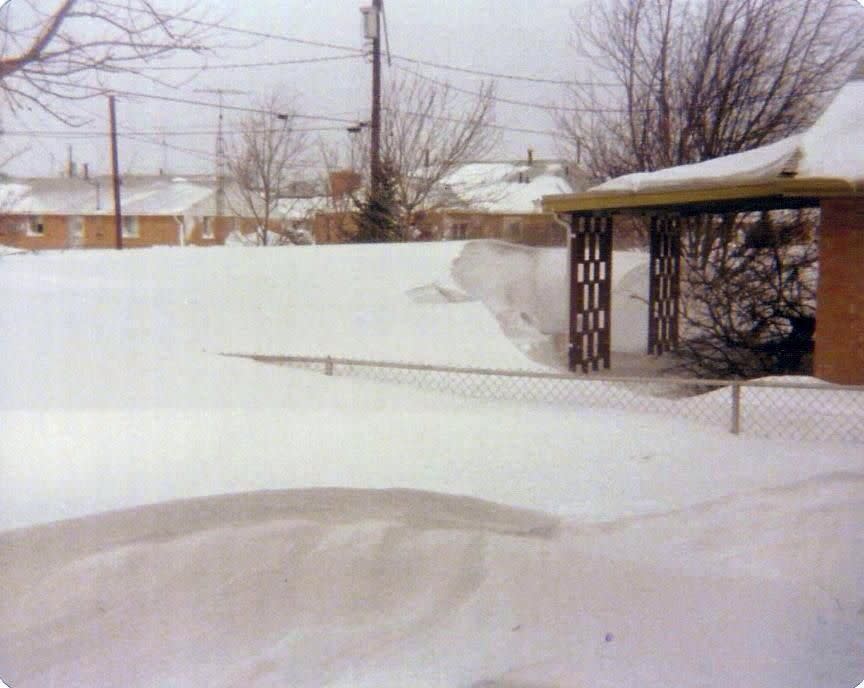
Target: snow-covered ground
[(381, 535)]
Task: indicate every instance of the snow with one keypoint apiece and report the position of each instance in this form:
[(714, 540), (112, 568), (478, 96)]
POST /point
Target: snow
[(506, 187), (75, 196), (237, 524), (525, 288), (832, 148), (160, 197), (11, 193), (759, 164)]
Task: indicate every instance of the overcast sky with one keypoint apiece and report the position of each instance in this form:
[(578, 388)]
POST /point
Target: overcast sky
[(531, 39)]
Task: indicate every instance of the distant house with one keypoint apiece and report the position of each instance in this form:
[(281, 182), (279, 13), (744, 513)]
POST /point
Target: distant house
[(78, 212), (500, 200)]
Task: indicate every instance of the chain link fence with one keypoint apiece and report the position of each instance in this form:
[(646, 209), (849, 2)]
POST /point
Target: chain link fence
[(773, 409)]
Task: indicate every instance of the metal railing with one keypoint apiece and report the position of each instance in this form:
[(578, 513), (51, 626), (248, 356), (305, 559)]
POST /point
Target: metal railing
[(766, 408)]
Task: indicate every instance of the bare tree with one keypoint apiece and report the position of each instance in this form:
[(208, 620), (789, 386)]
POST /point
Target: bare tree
[(59, 49), (679, 82), (263, 161), (750, 310), (428, 131), (341, 200)]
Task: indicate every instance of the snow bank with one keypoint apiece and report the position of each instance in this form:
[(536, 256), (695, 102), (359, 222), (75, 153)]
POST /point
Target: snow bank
[(526, 289), (588, 547), (370, 588)]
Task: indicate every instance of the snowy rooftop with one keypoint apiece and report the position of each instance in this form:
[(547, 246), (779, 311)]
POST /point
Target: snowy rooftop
[(142, 195), (829, 156), (505, 187)]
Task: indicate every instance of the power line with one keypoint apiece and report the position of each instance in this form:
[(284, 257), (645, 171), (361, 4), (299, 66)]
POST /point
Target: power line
[(500, 75), (246, 32), (202, 103), (160, 132), (497, 99), (206, 155), (361, 51), (591, 110), (456, 120), (244, 65)]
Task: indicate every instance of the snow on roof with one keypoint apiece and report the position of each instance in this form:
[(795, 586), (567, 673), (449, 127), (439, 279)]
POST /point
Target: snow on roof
[(163, 197), (138, 196), (505, 187), (757, 164), (833, 147), (10, 194)]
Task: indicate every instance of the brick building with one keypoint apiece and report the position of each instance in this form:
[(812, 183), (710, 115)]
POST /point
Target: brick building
[(78, 212)]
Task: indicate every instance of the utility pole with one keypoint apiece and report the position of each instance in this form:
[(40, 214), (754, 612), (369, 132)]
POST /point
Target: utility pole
[(115, 175), (372, 17)]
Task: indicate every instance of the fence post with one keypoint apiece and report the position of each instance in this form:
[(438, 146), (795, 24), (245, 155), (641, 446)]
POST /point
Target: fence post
[(736, 408), (328, 366)]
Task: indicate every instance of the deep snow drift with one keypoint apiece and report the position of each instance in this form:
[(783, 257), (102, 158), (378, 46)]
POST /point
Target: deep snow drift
[(526, 289), (616, 549)]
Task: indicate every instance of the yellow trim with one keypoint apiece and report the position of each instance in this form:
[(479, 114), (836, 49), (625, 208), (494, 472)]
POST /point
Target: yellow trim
[(825, 187)]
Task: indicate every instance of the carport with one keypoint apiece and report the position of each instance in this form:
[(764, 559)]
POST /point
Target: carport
[(820, 168)]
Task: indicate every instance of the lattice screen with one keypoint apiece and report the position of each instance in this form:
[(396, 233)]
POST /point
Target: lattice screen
[(590, 292), (664, 287)]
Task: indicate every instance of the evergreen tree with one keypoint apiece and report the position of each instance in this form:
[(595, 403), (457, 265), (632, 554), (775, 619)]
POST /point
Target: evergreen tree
[(376, 216)]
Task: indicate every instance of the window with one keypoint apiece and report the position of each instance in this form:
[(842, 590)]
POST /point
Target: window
[(130, 227), (35, 226), (207, 231)]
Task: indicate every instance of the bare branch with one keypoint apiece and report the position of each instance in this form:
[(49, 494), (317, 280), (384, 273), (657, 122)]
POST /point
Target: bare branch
[(262, 163), (706, 78), (429, 130), (53, 50)]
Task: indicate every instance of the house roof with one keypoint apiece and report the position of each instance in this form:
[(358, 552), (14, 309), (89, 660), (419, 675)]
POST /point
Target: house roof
[(139, 195), (505, 187), (825, 160)]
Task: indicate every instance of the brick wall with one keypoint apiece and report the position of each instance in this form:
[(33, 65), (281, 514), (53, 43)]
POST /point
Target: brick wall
[(839, 354), (97, 231)]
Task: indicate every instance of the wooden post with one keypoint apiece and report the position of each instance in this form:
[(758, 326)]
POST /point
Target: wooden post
[(590, 292), (736, 408), (115, 176), (375, 124), (664, 285)]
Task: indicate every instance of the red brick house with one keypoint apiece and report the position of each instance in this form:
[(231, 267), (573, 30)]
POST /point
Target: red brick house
[(77, 212)]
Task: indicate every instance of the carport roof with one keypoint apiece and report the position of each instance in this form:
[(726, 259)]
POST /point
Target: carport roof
[(824, 161)]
